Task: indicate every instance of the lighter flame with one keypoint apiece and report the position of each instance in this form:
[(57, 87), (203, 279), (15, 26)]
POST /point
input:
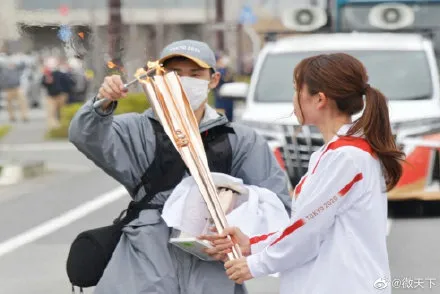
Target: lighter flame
[(154, 64), (110, 64), (139, 72)]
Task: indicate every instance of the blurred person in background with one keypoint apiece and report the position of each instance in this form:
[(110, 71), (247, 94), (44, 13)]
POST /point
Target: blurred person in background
[(58, 85), (224, 104), (248, 64), (32, 80), (67, 78), (25, 59), (11, 72), (79, 81)]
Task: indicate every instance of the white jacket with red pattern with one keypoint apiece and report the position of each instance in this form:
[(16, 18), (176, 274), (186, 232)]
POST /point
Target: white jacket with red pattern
[(336, 241)]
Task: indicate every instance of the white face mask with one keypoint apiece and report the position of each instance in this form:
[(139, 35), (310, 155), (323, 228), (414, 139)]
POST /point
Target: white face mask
[(196, 90)]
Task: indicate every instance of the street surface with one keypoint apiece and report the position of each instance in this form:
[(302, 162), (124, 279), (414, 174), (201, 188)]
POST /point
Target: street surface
[(40, 217)]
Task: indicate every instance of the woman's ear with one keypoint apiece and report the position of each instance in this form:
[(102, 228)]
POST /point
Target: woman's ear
[(322, 100)]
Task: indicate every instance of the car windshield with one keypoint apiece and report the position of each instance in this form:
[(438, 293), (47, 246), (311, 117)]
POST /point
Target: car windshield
[(400, 75)]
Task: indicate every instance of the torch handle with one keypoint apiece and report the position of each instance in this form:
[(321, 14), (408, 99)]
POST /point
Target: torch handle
[(100, 102)]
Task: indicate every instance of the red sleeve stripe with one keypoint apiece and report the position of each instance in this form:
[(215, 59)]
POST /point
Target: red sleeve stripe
[(299, 223), (346, 141), (347, 187), (257, 239), (299, 186), (289, 230)]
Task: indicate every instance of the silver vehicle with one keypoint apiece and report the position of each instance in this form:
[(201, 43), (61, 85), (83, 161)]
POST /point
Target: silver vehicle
[(402, 66)]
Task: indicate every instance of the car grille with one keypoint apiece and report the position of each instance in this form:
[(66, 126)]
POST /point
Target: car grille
[(299, 144)]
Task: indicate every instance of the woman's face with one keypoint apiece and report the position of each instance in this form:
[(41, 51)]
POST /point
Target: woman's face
[(304, 106)]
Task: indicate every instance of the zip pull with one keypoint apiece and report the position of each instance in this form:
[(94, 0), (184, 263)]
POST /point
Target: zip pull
[(73, 289), (81, 290)]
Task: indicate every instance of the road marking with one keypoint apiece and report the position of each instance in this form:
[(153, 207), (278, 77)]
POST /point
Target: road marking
[(389, 223), (61, 221), (31, 147), (69, 167)]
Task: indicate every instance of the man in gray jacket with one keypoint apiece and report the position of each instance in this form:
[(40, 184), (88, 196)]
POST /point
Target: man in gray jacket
[(134, 149)]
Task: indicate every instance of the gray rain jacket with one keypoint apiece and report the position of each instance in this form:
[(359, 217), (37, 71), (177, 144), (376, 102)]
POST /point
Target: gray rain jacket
[(10, 73), (143, 261)]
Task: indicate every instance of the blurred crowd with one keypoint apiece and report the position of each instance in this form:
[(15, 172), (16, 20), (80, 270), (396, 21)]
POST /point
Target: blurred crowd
[(32, 80), (50, 81)]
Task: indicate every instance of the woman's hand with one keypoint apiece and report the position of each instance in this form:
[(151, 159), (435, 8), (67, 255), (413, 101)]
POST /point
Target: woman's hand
[(222, 245), (238, 270)]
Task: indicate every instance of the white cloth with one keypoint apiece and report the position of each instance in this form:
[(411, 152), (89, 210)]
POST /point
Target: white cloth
[(257, 210), (336, 239)]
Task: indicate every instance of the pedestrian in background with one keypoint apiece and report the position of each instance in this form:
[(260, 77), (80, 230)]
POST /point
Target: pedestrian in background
[(225, 105), (58, 86), (11, 71), (79, 82)]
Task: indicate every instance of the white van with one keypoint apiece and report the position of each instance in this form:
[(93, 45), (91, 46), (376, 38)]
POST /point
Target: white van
[(403, 66)]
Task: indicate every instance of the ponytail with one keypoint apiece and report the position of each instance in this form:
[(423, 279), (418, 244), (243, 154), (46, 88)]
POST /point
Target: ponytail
[(375, 125)]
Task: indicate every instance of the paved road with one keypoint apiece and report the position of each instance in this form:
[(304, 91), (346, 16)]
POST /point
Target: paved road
[(39, 266)]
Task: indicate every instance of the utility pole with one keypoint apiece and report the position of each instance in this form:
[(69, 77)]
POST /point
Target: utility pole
[(114, 31), (219, 18), (160, 29), (96, 60), (207, 25)]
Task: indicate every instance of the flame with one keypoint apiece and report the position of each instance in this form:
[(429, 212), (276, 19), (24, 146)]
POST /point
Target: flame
[(156, 65), (139, 72), (81, 35), (110, 64), (151, 64)]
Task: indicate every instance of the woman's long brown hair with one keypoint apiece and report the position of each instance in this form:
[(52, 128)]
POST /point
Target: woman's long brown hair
[(344, 79)]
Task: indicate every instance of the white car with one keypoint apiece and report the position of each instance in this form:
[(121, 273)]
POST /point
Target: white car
[(403, 66)]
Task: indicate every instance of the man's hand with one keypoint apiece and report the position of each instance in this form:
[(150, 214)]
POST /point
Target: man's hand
[(222, 245), (112, 88)]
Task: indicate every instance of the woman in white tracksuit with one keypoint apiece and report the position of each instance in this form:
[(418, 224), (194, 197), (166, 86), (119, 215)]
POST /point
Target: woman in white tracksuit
[(336, 241)]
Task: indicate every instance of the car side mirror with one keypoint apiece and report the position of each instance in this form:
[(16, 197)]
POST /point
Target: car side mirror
[(235, 91)]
